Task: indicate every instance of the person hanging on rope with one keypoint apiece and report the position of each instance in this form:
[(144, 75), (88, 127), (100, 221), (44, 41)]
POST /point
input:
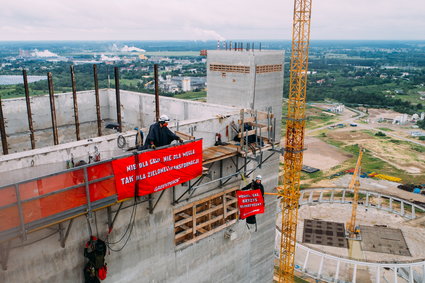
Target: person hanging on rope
[(254, 185), (160, 135), (95, 269)]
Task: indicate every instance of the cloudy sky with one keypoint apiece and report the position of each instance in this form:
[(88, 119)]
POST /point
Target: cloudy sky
[(203, 20)]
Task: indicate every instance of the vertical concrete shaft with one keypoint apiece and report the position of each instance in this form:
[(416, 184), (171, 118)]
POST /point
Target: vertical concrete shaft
[(156, 92), (3, 131), (74, 99), (118, 99), (96, 93), (29, 114), (52, 108)]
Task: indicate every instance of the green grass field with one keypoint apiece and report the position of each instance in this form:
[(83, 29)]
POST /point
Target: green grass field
[(191, 95)]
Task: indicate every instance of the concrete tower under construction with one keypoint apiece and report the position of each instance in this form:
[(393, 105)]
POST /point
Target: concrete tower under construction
[(188, 232)]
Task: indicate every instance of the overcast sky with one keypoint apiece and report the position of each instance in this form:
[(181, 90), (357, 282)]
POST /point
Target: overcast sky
[(204, 20)]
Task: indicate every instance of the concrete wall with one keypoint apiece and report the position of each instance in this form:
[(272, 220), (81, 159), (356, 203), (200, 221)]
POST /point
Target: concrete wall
[(151, 255), (39, 162), (137, 110), (249, 90), (17, 128)]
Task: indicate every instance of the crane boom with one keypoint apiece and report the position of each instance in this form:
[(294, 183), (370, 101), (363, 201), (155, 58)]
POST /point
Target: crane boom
[(294, 146), (355, 185)]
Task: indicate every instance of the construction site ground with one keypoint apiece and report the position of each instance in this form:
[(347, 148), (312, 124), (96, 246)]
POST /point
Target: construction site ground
[(400, 154), (333, 150), (322, 155)]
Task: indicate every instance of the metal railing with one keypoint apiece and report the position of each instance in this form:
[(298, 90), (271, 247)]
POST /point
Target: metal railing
[(40, 202), (332, 268), (75, 180)]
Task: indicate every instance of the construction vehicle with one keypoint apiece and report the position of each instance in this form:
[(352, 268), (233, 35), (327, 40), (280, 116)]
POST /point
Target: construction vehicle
[(294, 146), (148, 83)]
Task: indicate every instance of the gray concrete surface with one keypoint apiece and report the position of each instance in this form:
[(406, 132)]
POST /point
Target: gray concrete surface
[(253, 90), (137, 110), (151, 255)]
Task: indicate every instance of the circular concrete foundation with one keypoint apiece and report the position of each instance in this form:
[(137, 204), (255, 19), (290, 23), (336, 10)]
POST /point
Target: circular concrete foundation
[(375, 211)]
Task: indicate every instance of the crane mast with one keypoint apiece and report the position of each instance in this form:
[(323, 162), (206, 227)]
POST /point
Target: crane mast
[(355, 185), (294, 146)]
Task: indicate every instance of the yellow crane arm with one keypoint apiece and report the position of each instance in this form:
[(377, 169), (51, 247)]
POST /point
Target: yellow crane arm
[(355, 185)]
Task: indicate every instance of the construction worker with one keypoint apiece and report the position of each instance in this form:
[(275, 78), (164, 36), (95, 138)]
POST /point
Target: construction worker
[(254, 185), (139, 139), (160, 135), (95, 269)]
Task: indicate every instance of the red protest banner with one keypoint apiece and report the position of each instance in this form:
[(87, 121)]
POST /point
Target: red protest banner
[(250, 203), (157, 170)]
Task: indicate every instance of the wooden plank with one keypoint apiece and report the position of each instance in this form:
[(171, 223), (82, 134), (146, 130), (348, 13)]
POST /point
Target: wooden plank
[(213, 154), (258, 125), (218, 151), (210, 153), (232, 211), (229, 197), (212, 209), (241, 129), (202, 230), (184, 215), (264, 115), (184, 136), (247, 120), (194, 220), (224, 149), (208, 161), (183, 233), (177, 210), (185, 227), (261, 115), (209, 222), (183, 221), (252, 132), (187, 243), (231, 190), (204, 170), (224, 207)]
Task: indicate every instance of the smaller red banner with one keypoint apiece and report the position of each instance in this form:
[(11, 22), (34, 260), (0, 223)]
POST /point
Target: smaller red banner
[(250, 203)]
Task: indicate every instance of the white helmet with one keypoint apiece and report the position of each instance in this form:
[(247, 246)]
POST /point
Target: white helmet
[(164, 118), (258, 177)]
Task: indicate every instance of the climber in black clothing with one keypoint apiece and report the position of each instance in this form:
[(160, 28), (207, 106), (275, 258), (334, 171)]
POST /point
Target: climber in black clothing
[(95, 251), (160, 135), (254, 185)]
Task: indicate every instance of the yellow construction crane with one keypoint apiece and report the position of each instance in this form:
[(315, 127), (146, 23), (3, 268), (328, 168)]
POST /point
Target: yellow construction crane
[(294, 146), (355, 185)]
